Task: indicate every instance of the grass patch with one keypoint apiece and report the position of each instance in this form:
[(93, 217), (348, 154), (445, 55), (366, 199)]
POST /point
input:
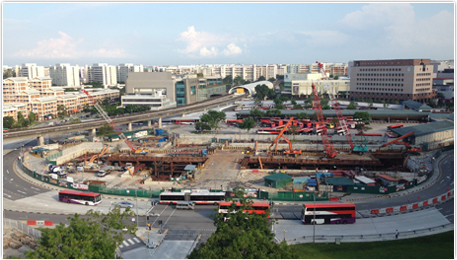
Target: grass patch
[(439, 246)]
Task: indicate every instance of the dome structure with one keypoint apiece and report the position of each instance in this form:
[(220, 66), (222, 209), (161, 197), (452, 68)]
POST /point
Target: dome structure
[(250, 88)]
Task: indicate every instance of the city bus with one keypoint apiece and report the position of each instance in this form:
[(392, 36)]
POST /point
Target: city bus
[(186, 121), (394, 126), (257, 207), (80, 197), (328, 213), (197, 197)]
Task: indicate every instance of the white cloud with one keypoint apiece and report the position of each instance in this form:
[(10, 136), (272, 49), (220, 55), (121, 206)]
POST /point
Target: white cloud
[(66, 47), (396, 26), (206, 44), (232, 49), (325, 37)]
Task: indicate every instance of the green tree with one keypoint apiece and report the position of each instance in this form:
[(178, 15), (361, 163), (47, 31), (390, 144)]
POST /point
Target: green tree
[(293, 129), (273, 112), (199, 75), (352, 105), (105, 130), (242, 235), (298, 106), (227, 80), (293, 102), (279, 77), (336, 77), (257, 113), (61, 111), (247, 124), (105, 102), (238, 81), (301, 115), (261, 78), (96, 236), (371, 102), (331, 76), (9, 73), (200, 126), (365, 116), (213, 118), (272, 79), (8, 122)]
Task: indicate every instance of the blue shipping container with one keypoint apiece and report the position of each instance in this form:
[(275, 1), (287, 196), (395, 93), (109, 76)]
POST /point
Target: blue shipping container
[(159, 131)]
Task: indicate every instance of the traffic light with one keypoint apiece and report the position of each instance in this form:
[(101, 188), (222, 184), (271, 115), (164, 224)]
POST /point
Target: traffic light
[(147, 218)]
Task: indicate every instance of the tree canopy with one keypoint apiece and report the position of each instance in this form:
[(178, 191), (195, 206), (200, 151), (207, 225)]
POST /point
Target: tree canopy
[(8, 122), (263, 91), (352, 105), (247, 124), (242, 235), (213, 118), (257, 113), (365, 116), (95, 237)]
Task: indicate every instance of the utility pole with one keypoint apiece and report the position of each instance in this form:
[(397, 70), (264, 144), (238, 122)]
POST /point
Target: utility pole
[(314, 218), (136, 199)]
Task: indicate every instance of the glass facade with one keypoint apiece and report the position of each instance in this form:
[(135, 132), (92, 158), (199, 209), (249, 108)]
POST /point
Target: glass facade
[(180, 94)]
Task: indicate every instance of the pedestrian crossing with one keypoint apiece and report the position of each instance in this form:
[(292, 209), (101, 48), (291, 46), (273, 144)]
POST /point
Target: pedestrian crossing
[(130, 243)]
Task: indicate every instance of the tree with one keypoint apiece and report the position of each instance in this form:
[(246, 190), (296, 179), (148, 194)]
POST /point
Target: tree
[(371, 102), (105, 130), (8, 122), (227, 80), (331, 76), (272, 79), (21, 122), (298, 106), (279, 77), (247, 124), (61, 111), (238, 81), (352, 105), (301, 115), (294, 130), (9, 73), (365, 116), (257, 113), (96, 236), (199, 75), (200, 126), (336, 77), (213, 118), (242, 235), (293, 102), (273, 112), (105, 102), (261, 78)]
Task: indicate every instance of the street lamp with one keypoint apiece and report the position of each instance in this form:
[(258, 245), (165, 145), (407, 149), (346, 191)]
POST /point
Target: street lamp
[(314, 218)]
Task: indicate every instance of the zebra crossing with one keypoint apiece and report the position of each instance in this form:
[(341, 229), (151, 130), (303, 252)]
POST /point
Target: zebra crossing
[(130, 243)]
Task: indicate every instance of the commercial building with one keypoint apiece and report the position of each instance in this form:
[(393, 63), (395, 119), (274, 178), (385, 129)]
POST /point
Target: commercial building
[(123, 70), (31, 70), (336, 69), (148, 83), (300, 84), (392, 80), (63, 74), (439, 131)]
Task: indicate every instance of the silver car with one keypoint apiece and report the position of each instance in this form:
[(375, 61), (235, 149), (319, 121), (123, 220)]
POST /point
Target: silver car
[(125, 204)]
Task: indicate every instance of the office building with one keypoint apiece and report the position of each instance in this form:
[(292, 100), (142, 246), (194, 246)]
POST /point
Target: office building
[(300, 84), (123, 70), (103, 73), (31, 70), (392, 80)]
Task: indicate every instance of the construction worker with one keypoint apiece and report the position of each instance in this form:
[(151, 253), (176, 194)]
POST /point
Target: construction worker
[(149, 226)]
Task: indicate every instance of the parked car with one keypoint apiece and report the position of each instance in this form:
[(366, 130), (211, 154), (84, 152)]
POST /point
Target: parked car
[(125, 204)]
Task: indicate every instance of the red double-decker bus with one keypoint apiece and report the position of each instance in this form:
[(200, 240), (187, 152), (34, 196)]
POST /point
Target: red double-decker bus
[(256, 207), (328, 213)]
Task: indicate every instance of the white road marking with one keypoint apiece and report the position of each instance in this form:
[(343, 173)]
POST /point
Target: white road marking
[(121, 246), (34, 188), (11, 179), (21, 192), (125, 243), (448, 177), (441, 181), (160, 214), (8, 171), (131, 241), (169, 217), (136, 240), (7, 195), (449, 215), (452, 183)]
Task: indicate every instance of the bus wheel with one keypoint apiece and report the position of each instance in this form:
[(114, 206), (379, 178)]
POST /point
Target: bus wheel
[(215, 203), (68, 201), (87, 203), (345, 222), (313, 222), (337, 222)]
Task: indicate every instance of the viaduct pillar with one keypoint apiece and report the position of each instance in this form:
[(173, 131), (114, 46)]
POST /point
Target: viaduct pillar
[(40, 140)]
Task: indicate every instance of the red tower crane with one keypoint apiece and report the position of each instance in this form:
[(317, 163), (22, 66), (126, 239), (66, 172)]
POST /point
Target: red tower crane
[(108, 120), (336, 107)]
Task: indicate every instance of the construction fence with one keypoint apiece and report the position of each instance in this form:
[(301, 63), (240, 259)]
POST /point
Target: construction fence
[(24, 228)]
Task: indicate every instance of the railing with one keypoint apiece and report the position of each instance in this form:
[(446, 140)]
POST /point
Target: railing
[(14, 224)]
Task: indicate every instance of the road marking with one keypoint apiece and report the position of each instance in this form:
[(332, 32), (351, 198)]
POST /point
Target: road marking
[(441, 181), (169, 217), (449, 215), (8, 171), (121, 246), (452, 183), (131, 241), (11, 179), (35, 188), (159, 214), (22, 192), (125, 243), (136, 240), (7, 195), (448, 177)]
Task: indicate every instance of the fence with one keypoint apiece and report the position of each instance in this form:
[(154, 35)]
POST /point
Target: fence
[(293, 196), (14, 224)]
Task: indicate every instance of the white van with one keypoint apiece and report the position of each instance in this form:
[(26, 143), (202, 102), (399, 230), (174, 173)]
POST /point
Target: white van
[(101, 173), (185, 205)]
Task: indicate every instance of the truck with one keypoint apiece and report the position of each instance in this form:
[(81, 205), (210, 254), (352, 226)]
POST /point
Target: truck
[(54, 169)]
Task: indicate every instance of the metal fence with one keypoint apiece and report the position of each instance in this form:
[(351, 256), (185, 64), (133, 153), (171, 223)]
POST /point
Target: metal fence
[(14, 224)]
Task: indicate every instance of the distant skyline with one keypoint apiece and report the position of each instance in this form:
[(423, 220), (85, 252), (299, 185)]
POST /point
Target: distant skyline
[(166, 34)]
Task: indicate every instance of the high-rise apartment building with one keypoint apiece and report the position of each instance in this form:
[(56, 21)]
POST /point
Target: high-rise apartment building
[(103, 73), (31, 70), (125, 68), (392, 80), (64, 75)]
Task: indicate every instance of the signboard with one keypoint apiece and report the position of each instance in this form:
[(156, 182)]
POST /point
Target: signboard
[(69, 179), (63, 183), (295, 89), (80, 186), (53, 181)]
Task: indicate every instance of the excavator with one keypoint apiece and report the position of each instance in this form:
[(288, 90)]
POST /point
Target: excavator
[(105, 149), (410, 149), (291, 151)]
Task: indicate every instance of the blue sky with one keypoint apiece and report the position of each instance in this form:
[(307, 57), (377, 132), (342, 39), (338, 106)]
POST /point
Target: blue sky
[(224, 33)]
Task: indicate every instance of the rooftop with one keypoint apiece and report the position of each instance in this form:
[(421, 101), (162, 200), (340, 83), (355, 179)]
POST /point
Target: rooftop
[(416, 105), (424, 129)]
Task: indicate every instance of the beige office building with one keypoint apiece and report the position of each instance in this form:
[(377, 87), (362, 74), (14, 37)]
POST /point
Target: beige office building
[(392, 80)]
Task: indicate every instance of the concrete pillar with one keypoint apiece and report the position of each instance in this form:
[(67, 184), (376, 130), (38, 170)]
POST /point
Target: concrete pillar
[(94, 132), (183, 115), (40, 140), (149, 124), (388, 119), (130, 126), (160, 122)]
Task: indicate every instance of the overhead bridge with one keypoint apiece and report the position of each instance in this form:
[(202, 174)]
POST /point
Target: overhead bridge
[(126, 119)]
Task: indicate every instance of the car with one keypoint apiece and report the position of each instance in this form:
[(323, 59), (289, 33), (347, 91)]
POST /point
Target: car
[(125, 204)]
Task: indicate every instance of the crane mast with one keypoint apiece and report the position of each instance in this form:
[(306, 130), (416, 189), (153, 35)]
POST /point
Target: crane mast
[(108, 120), (337, 109)]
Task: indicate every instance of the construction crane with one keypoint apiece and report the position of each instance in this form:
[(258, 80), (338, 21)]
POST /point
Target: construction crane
[(108, 120), (342, 122), (329, 151), (291, 151), (398, 141)]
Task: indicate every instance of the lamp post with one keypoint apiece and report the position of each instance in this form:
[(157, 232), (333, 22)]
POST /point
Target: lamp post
[(314, 218), (136, 199)]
